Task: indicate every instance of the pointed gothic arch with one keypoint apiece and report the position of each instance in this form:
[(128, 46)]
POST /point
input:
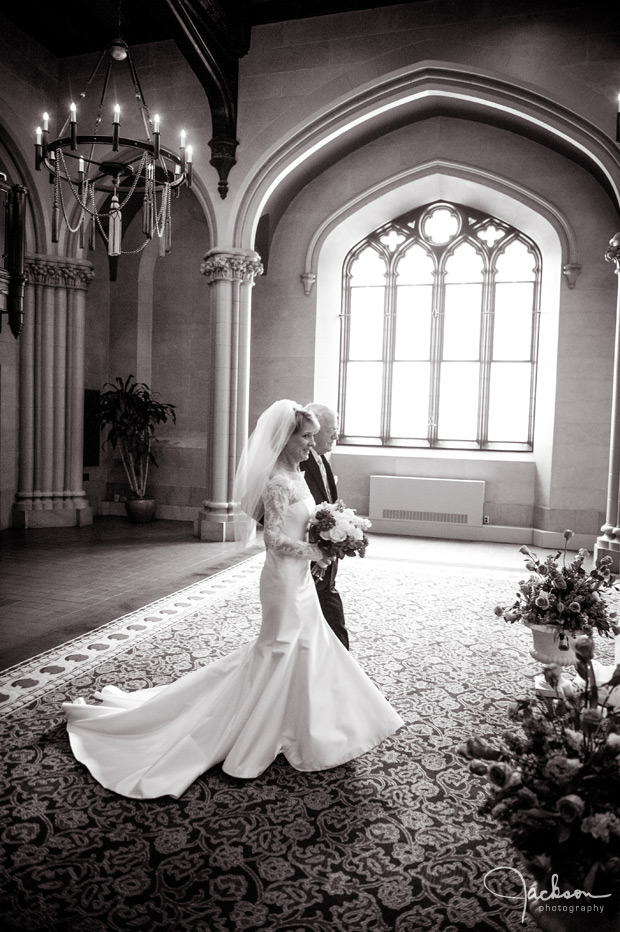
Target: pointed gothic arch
[(426, 88)]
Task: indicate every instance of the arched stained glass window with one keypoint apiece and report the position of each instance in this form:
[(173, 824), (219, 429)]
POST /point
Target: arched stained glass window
[(439, 333)]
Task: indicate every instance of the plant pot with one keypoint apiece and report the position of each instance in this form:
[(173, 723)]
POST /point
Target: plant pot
[(140, 510), (547, 645)]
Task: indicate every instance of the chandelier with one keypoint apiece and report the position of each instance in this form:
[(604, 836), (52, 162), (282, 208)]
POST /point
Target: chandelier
[(97, 176)]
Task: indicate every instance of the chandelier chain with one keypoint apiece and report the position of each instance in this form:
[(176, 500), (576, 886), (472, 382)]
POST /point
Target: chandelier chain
[(82, 204), (144, 169)]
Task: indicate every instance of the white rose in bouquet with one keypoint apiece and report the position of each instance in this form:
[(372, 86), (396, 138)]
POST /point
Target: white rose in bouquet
[(338, 531)]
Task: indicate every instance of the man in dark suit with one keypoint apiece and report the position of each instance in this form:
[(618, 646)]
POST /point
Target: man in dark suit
[(320, 480)]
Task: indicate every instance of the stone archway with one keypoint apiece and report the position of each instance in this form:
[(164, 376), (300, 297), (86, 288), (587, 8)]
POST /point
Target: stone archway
[(428, 88)]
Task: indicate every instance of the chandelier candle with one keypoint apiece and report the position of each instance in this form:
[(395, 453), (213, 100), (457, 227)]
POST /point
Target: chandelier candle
[(182, 150), (46, 130), (115, 127), (156, 136), (73, 128), (188, 162), (38, 148)]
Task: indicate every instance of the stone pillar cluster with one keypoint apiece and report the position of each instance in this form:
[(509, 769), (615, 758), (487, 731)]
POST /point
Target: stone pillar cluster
[(231, 274), (52, 394)]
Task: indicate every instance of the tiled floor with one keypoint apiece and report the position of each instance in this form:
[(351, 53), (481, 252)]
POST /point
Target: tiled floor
[(58, 583)]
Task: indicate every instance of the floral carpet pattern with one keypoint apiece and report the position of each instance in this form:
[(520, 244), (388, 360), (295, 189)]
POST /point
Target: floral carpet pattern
[(390, 841)]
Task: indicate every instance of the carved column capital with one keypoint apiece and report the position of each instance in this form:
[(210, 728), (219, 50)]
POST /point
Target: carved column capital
[(613, 251), (59, 272), (231, 265), (75, 276)]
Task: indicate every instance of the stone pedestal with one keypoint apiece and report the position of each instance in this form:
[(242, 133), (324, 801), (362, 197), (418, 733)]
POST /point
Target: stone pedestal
[(64, 517), (213, 528)]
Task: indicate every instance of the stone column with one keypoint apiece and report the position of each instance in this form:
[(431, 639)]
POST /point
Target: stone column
[(59, 389), (74, 445), (50, 489), (608, 543), (231, 274), (25, 477)]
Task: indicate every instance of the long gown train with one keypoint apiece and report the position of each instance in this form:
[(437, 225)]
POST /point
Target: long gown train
[(293, 690)]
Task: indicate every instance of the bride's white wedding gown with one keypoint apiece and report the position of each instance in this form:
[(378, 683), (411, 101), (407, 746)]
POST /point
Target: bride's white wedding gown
[(293, 690)]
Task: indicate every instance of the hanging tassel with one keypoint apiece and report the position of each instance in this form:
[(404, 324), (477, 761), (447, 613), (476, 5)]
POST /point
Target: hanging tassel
[(92, 233), (147, 214), (55, 206), (115, 229), (149, 204), (162, 236), (168, 221), (83, 220), (55, 222)]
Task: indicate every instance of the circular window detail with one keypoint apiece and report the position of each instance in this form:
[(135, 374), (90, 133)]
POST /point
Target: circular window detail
[(440, 225)]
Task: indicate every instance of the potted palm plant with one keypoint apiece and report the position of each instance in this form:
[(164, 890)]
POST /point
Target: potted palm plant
[(131, 413)]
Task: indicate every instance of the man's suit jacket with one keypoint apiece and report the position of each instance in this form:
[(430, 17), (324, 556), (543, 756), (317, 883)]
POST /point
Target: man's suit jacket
[(331, 603), (314, 479)]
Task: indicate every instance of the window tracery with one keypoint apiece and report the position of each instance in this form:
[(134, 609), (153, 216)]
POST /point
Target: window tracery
[(439, 333)]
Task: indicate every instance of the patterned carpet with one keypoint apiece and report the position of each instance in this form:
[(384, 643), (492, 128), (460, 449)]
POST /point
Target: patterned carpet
[(390, 841)]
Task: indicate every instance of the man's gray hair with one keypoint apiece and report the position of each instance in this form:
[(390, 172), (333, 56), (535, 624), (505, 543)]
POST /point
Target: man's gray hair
[(320, 410)]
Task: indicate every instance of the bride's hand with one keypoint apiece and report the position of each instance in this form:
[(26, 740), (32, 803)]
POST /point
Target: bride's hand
[(325, 561)]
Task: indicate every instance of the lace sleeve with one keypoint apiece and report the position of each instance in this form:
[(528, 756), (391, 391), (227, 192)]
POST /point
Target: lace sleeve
[(276, 498)]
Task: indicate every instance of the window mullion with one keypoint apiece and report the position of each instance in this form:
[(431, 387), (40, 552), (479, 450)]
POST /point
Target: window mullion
[(389, 329), (534, 358), (380, 378), (486, 353), (436, 354), (345, 325)]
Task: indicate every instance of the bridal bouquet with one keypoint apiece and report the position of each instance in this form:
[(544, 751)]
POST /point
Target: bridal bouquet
[(338, 531)]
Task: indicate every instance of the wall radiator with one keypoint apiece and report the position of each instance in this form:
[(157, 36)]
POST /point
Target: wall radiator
[(446, 502)]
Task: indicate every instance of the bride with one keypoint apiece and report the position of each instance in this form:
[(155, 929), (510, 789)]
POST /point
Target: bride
[(293, 690)]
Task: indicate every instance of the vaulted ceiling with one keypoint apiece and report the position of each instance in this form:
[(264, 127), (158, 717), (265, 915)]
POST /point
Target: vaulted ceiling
[(74, 27), (212, 34)]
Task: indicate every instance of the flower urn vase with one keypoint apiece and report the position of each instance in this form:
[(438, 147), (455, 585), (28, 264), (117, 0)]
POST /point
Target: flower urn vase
[(140, 510), (547, 643)]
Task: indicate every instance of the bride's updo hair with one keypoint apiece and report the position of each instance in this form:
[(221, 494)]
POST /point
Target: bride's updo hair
[(305, 420)]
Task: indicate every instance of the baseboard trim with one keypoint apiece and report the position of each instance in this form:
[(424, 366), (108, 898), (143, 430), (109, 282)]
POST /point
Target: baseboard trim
[(492, 533)]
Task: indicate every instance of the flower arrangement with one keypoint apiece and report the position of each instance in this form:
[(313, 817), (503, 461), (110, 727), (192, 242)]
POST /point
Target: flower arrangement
[(338, 531), (555, 782), (566, 597)]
